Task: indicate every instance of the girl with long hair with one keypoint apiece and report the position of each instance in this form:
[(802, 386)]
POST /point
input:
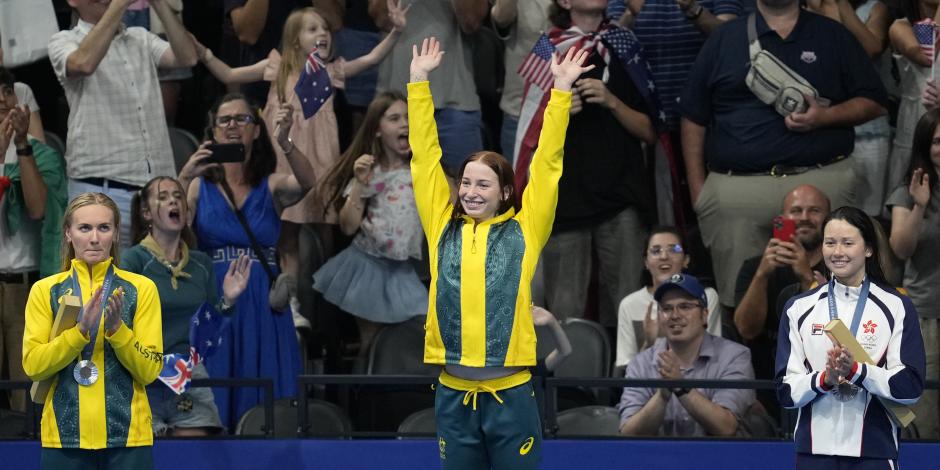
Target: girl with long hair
[(164, 251), (483, 248), (370, 188), (915, 238), (843, 421), (96, 414), (305, 30)]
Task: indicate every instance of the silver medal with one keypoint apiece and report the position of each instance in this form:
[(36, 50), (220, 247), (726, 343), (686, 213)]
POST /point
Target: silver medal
[(85, 372), (845, 391)]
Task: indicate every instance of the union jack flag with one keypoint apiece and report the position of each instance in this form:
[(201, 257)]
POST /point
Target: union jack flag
[(926, 33), (205, 336), (313, 87)]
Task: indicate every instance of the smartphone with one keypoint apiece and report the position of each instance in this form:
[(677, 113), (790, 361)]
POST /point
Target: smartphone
[(226, 153), (784, 228)]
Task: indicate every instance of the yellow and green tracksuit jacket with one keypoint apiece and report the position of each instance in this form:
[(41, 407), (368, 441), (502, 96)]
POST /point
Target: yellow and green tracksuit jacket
[(112, 412), (479, 306)]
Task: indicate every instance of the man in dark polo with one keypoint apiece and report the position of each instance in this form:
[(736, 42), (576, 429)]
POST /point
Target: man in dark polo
[(742, 157)]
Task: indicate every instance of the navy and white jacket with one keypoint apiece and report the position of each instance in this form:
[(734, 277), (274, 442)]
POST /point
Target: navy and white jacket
[(889, 332)]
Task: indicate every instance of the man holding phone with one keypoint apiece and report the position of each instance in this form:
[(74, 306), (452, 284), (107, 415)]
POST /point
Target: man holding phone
[(783, 263)]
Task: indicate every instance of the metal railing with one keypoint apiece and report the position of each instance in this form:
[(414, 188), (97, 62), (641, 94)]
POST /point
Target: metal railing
[(548, 386)]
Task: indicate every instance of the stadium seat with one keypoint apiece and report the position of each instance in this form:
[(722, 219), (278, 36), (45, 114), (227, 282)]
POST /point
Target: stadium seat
[(184, 145), (420, 422), (396, 350), (590, 358), (589, 421), (324, 419)]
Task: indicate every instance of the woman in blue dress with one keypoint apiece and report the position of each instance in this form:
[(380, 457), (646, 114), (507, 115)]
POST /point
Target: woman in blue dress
[(262, 341)]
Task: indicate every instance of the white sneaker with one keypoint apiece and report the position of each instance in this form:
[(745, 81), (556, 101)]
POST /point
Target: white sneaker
[(299, 320)]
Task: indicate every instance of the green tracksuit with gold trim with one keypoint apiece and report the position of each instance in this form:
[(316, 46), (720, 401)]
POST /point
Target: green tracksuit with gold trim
[(479, 309), (113, 412)]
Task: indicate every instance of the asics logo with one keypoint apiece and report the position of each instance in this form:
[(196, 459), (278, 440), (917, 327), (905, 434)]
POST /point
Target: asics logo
[(526, 446)]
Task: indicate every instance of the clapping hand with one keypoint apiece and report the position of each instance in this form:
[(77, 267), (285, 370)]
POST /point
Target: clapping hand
[(569, 68), (839, 363), (90, 313), (112, 313), (19, 117), (236, 279), (920, 187), (425, 60)]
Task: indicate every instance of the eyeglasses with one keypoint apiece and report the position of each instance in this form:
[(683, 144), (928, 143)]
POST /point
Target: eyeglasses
[(684, 308), (241, 120), (672, 249)]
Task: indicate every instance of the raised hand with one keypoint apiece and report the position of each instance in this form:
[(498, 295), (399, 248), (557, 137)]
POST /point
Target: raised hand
[(542, 317), (283, 121), (112, 313), (362, 168), (920, 187), (569, 68), (236, 279), (396, 14), (425, 60)]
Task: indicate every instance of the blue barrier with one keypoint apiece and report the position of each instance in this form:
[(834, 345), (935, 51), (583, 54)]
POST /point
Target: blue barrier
[(295, 454)]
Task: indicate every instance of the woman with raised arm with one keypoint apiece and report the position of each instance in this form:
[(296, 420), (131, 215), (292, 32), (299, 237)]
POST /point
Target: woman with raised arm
[(483, 251)]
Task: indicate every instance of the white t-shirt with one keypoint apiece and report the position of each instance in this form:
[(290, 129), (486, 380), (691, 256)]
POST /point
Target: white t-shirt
[(20, 252), (630, 322)]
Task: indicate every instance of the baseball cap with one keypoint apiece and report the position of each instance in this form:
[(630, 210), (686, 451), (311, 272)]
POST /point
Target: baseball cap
[(687, 283)]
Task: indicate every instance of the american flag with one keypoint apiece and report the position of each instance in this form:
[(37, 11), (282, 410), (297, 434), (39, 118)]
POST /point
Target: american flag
[(626, 51), (926, 33), (313, 87), (536, 68), (206, 329)]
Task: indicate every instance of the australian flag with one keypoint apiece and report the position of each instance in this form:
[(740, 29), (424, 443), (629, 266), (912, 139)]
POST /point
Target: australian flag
[(205, 336), (313, 88)]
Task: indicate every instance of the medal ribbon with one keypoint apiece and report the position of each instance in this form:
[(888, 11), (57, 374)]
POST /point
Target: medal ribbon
[(859, 305), (105, 295)]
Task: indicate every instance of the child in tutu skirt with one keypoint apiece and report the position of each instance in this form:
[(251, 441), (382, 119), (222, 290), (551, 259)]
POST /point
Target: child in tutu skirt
[(370, 188)]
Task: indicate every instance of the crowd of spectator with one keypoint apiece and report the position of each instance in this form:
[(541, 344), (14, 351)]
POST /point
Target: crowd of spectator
[(663, 227)]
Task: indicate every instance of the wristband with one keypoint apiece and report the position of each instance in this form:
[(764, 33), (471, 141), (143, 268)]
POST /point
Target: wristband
[(697, 12), (25, 151)]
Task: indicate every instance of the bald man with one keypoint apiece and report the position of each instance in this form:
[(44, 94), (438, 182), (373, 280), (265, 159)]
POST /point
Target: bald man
[(783, 263)]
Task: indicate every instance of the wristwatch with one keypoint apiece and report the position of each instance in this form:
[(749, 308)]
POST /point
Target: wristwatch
[(694, 13), (25, 151), (289, 147), (678, 392)]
